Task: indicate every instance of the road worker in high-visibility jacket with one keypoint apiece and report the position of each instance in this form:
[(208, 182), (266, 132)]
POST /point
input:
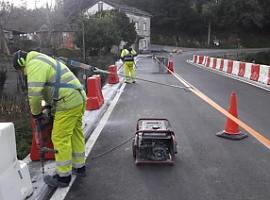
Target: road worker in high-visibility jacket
[(52, 81), (127, 56)]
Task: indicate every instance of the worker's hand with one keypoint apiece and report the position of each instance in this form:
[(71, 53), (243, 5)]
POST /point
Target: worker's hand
[(42, 119), (93, 69)]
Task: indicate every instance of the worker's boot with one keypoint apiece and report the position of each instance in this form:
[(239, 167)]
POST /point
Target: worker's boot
[(79, 171), (57, 181)]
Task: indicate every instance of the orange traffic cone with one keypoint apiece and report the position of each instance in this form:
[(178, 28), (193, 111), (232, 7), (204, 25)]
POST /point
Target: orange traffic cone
[(113, 77), (232, 130), (95, 97), (100, 94), (170, 67)]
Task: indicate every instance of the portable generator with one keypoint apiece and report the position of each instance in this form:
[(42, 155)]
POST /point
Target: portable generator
[(154, 141)]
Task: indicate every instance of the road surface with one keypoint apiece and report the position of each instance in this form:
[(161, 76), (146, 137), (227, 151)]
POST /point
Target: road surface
[(207, 167)]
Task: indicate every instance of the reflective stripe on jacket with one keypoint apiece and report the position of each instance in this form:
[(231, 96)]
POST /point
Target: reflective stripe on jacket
[(128, 56), (41, 71)]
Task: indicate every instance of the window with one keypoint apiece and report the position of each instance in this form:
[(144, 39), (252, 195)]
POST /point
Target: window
[(137, 25), (144, 26), (100, 6)]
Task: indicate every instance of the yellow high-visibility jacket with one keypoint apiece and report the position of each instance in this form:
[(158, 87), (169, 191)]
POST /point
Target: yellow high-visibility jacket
[(63, 93), (128, 56)]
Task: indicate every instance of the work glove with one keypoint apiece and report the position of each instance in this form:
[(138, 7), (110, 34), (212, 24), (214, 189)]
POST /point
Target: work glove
[(93, 69), (47, 110), (42, 119)]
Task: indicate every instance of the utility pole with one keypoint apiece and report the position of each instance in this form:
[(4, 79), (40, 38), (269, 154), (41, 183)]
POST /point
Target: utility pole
[(84, 54), (212, 14), (83, 41), (209, 34), (36, 2)]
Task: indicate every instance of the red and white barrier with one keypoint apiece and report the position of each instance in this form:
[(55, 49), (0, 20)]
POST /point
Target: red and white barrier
[(236, 67), (251, 71), (218, 63), (242, 68), (255, 72), (194, 60), (248, 70), (230, 66), (225, 65), (264, 76)]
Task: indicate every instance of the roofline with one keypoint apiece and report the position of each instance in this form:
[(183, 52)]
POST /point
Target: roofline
[(134, 12), (114, 5), (52, 31), (13, 30)]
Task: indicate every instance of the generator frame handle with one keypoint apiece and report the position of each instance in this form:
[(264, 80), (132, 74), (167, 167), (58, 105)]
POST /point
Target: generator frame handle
[(151, 119), (154, 131)]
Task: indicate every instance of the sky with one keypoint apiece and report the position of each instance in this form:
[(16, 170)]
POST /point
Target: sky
[(31, 4)]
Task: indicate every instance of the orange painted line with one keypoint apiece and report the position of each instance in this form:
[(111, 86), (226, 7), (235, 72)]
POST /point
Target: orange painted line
[(265, 141)]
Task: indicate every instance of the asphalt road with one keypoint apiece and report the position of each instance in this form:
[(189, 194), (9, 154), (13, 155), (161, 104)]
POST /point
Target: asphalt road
[(207, 167)]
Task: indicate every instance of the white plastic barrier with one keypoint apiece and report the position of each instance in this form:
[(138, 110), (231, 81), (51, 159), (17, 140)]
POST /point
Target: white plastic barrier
[(236, 67), (248, 70), (264, 73), (211, 62), (218, 63), (225, 66), (204, 60), (15, 182)]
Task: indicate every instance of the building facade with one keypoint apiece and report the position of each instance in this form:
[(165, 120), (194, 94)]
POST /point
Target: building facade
[(62, 37), (141, 19)]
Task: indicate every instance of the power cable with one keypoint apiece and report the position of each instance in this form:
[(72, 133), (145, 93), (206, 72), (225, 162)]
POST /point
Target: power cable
[(113, 148), (93, 69), (142, 79), (97, 70)]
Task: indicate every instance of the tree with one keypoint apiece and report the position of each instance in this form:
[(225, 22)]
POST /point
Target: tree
[(103, 31), (5, 10), (209, 11), (241, 14), (125, 27)]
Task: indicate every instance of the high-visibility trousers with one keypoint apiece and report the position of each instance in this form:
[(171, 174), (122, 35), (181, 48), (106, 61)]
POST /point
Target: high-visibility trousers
[(68, 140), (129, 71)]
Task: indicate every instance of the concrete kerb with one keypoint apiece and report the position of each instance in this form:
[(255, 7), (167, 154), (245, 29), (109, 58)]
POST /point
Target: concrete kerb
[(91, 118), (90, 122), (250, 82)]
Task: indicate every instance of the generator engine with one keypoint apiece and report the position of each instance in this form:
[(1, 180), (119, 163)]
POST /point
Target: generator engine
[(154, 142), (154, 149)]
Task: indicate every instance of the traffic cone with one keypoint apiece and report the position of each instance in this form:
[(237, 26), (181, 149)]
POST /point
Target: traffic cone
[(170, 66), (232, 130), (94, 94), (113, 77), (99, 93)]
